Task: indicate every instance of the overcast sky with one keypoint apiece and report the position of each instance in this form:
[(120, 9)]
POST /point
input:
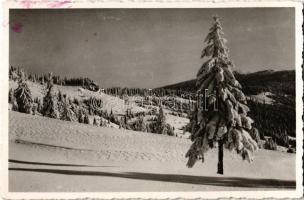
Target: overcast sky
[(146, 47)]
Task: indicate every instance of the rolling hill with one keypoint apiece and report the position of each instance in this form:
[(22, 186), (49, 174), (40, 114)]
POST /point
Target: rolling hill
[(254, 83)]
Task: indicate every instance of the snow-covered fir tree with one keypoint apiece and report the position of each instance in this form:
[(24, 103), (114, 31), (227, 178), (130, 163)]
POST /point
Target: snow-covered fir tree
[(39, 104), (103, 123), (86, 119), (222, 117), (11, 96), (95, 122), (50, 102), (35, 109), (170, 130), (140, 124), (42, 80), (23, 95), (254, 133), (81, 116), (12, 100), (161, 121), (67, 113)]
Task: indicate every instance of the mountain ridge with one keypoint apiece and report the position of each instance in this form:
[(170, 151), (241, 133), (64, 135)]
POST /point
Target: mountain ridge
[(253, 83)]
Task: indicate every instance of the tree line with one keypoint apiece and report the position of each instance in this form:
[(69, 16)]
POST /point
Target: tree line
[(274, 120), (15, 74)]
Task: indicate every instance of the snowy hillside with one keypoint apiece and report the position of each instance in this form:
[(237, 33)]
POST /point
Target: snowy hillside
[(113, 103), (51, 155)]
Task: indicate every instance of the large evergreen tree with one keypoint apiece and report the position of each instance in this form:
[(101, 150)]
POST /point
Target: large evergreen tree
[(221, 114)]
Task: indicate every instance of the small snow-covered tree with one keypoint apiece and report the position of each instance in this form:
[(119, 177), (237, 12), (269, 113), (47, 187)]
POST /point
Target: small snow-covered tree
[(95, 122), (148, 129), (103, 123), (221, 116), (37, 105), (254, 133), (81, 115), (67, 113), (170, 130), (50, 102), (140, 124), (11, 96), (13, 73), (35, 109), (42, 80), (143, 125), (23, 95), (12, 100), (86, 119), (161, 121)]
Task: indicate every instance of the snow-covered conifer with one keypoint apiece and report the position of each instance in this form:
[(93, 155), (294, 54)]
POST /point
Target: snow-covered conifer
[(161, 121), (228, 124), (141, 125), (254, 133), (34, 109), (103, 122), (50, 102), (67, 113), (10, 95), (80, 116), (23, 95), (95, 122), (86, 119)]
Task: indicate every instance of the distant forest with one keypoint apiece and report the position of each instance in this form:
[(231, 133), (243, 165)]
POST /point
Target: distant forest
[(278, 82)]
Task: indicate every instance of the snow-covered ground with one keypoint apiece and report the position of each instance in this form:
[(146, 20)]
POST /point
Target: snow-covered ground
[(53, 155), (263, 97)]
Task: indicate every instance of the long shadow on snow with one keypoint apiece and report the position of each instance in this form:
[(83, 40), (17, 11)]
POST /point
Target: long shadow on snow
[(53, 164), (176, 178), (19, 141)]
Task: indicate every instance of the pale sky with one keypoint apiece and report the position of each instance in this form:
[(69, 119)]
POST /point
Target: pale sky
[(147, 47)]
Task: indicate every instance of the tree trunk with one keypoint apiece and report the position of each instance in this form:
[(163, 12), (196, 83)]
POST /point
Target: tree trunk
[(220, 165)]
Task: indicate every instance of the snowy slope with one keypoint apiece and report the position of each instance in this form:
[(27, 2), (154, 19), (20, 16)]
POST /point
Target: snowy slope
[(51, 155), (263, 97), (117, 105)]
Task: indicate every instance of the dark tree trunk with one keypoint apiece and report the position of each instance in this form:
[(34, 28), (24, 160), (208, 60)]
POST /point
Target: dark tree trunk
[(220, 165)]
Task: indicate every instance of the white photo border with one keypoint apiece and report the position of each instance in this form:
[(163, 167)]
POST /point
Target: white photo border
[(4, 87)]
